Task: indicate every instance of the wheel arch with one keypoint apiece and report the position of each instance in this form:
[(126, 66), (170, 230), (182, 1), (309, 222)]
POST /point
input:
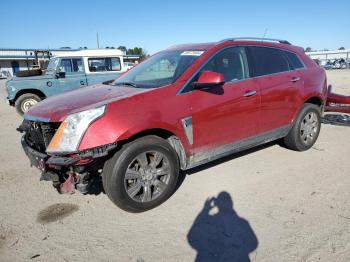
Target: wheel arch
[(29, 91), (316, 100), (312, 99), (167, 135)]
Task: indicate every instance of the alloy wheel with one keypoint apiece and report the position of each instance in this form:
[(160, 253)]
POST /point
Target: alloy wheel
[(309, 128), (147, 176)]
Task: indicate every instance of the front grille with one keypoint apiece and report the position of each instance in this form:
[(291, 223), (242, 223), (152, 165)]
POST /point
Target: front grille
[(38, 135)]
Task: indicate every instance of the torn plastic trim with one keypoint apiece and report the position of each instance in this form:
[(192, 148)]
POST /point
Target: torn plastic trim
[(179, 149), (42, 160), (70, 160)]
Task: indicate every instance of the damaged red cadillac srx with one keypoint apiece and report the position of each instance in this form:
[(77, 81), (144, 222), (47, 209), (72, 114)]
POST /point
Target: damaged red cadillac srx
[(181, 108)]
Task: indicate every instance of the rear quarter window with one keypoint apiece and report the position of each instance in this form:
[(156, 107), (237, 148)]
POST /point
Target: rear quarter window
[(294, 60), (268, 61), (103, 64)]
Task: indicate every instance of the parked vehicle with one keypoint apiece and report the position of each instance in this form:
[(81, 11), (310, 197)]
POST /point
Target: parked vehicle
[(180, 108), (64, 73), (336, 64), (129, 65), (4, 74), (329, 65)]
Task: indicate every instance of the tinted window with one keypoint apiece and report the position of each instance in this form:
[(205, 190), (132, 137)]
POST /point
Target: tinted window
[(294, 60), (230, 62), (70, 65), (104, 64), (268, 61)]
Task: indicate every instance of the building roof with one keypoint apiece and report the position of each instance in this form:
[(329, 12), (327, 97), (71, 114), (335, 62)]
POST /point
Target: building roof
[(328, 52), (21, 53), (33, 49)]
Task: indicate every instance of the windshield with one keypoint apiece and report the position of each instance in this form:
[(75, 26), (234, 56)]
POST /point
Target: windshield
[(159, 70), (52, 65)]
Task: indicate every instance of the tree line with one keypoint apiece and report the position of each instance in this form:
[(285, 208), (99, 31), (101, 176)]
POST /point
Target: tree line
[(309, 49)]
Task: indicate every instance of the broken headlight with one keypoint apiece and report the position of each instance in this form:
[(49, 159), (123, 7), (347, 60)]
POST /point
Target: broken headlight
[(72, 129)]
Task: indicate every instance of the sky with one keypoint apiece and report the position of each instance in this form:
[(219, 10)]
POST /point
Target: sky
[(156, 25)]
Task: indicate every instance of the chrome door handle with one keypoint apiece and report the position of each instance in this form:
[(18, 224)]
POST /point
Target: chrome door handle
[(295, 79), (249, 93)]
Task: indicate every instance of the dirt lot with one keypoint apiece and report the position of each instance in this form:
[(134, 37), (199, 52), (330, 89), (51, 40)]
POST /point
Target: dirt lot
[(287, 206)]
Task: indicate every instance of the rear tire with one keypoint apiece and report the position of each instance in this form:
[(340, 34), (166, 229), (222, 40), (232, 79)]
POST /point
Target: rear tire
[(306, 128), (25, 102), (142, 174)]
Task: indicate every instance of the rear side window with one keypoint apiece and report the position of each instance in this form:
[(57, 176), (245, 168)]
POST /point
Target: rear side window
[(294, 60), (103, 64), (268, 61)]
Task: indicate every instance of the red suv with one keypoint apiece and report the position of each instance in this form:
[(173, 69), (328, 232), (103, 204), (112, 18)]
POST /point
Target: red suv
[(180, 108)]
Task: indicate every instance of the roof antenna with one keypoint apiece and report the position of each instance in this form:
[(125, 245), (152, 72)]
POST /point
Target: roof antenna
[(264, 35)]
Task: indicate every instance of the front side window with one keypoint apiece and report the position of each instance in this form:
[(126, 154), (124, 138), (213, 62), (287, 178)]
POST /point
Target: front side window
[(268, 61), (231, 63), (159, 70), (51, 67), (102, 64), (66, 65), (71, 65)]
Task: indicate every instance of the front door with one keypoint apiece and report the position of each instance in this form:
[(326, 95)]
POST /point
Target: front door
[(228, 114), (74, 75)]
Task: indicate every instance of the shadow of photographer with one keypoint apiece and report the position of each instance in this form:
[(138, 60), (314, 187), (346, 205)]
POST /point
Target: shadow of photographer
[(219, 234)]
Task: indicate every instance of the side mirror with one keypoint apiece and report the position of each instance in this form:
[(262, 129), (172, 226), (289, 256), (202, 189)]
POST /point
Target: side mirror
[(60, 75), (209, 79)]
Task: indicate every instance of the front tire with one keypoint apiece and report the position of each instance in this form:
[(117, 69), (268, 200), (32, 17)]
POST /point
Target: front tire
[(142, 174), (25, 102), (306, 128)]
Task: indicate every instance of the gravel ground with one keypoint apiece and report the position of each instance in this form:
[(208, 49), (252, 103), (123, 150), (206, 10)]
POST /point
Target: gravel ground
[(287, 206)]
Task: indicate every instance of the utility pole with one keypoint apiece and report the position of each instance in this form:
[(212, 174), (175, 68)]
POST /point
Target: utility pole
[(98, 41)]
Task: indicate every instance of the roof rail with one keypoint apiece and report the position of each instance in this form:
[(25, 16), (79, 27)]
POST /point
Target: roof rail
[(257, 39)]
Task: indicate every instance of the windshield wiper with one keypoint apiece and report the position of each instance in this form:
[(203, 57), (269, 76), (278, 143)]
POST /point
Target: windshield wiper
[(125, 84)]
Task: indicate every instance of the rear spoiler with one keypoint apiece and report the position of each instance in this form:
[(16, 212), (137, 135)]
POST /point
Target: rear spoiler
[(336, 102)]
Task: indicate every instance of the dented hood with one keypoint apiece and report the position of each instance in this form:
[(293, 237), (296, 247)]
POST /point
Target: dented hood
[(56, 108)]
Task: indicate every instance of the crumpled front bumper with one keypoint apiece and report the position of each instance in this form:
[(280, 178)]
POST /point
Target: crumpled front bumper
[(43, 161), (36, 158)]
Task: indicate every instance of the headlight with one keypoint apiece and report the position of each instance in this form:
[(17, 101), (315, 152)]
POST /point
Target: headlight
[(72, 129)]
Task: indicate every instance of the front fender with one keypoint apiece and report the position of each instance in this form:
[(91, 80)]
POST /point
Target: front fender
[(17, 85), (107, 131)]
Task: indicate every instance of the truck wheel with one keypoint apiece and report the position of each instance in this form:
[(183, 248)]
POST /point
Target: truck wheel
[(25, 102), (306, 128), (142, 174)]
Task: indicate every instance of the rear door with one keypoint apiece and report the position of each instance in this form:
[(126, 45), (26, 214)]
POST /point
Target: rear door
[(230, 113), (279, 84), (74, 74)]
